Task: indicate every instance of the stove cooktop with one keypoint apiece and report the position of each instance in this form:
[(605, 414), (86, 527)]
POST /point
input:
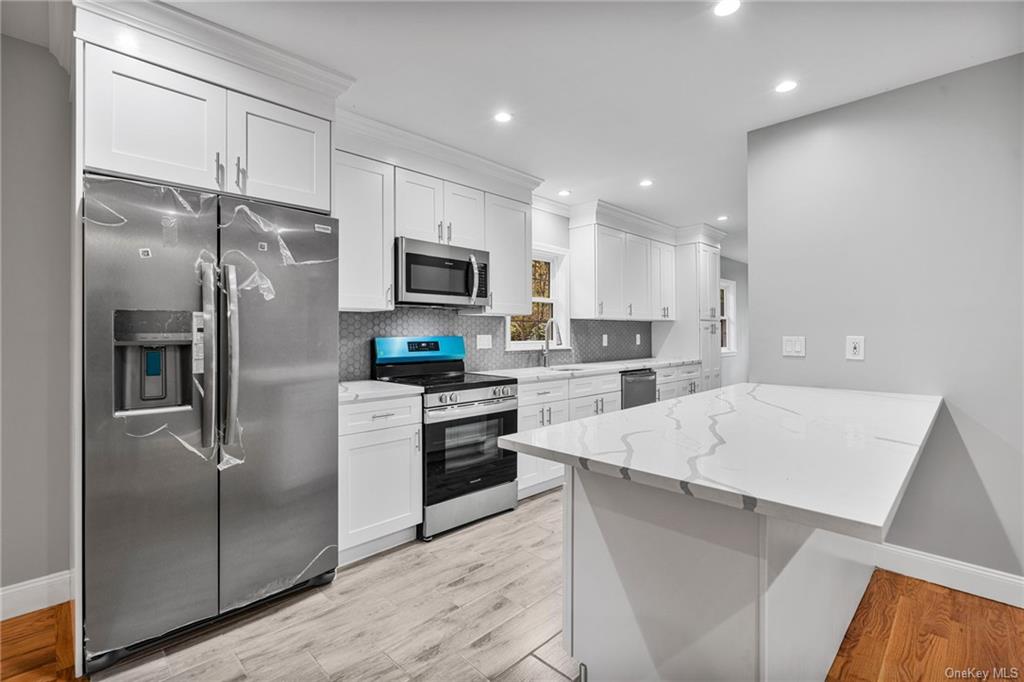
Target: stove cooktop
[(449, 381)]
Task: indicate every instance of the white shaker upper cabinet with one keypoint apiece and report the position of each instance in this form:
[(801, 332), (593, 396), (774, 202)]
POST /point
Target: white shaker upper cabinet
[(510, 246), (419, 206), (610, 273), (663, 281), (278, 154), (145, 121), (364, 204), (637, 278), (464, 215)]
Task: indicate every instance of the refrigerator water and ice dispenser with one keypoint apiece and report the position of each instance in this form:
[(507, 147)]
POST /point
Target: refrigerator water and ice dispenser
[(153, 359)]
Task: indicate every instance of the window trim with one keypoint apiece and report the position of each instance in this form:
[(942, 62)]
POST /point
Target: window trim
[(559, 259), (729, 315)]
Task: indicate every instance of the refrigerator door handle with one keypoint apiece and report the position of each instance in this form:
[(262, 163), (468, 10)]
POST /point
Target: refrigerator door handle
[(231, 406), (209, 416)]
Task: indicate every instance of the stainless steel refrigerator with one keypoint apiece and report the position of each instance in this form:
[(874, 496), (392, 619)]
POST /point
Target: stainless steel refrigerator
[(210, 400)]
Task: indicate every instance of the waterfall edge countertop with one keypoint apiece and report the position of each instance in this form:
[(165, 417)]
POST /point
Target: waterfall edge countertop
[(833, 459), (527, 375), (352, 391)]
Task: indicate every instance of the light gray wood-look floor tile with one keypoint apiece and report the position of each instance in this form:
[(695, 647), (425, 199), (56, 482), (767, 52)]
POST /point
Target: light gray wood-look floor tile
[(554, 654), (502, 647), (451, 668), (223, 667), (541, 578), (531, 669), (292, 666), (152, 668), (376, 666)]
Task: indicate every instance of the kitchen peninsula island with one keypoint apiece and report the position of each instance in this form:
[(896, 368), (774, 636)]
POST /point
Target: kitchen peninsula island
[(727, 535)]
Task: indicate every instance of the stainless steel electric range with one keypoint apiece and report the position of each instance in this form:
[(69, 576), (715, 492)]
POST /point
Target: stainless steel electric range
[(466, 476)]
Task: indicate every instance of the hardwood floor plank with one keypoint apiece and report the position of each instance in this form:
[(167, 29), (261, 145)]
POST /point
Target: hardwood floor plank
[(513, 640)]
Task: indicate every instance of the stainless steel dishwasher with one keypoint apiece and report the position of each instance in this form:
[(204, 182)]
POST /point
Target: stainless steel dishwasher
[(638, 387)]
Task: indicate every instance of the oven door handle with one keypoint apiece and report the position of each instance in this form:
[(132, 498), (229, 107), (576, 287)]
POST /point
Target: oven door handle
[(435, 415), (476, 279)]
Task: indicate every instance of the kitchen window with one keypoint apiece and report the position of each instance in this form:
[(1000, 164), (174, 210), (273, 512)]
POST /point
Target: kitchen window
[(549, 280), (727, 322)]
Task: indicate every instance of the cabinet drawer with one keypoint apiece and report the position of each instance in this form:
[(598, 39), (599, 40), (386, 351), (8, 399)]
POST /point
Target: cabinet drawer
[(593, 385), (357, 417), (544, 392), (591, 405), (667, 374)]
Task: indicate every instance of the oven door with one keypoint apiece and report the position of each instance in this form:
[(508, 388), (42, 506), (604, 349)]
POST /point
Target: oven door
[(460, 448), (438, 274)]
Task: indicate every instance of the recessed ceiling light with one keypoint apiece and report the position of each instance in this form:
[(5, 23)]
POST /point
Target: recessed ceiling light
[(503, 117), (564, 193), (722, 218), (726, 7), (785, 86), (646, 183)]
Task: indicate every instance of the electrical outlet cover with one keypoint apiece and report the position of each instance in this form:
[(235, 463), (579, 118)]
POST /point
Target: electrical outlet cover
[(604, 339), (794, 346), (854, 347), (483, 341), (638, 339)]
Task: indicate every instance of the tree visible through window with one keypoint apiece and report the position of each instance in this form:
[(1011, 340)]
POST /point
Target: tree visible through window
[(531, 327)]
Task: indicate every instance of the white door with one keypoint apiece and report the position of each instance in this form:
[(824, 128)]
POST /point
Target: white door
[(587, 406), (510, 245), (278, 154), (152, 123), (529, 418), (637, 278), (610, 270), (663, 281), (364, 204), (380, 485), (464, 216), (419, 206)]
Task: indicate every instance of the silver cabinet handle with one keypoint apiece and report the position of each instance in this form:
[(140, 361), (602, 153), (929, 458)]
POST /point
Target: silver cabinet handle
[(241, 175), (490, 299), (602, 405), (387, 295), (416, 439), (630, 307), (549, 416), (600, 308), (383, 415), (217, 177), (543, 393), (542, 416), (657, 394), (595, 406), (476, 275), (210, 347), (231, 406), (440, 231), (449, 232)]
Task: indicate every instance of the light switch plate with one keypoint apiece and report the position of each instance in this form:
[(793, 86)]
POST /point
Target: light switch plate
[(854, 347), (483, 341), (794, 346), (604, 339), (638, 339)]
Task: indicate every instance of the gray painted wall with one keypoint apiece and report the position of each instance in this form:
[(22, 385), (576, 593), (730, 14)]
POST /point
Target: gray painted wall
[(36, 300), (735, 368), (899, 217)]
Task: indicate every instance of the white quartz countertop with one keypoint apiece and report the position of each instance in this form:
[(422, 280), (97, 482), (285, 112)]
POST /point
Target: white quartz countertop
[(833, 459), (526, 375), (351, 391)]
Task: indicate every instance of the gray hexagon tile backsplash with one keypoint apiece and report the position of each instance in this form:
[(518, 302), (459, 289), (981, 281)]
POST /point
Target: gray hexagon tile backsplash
[(355, 331)]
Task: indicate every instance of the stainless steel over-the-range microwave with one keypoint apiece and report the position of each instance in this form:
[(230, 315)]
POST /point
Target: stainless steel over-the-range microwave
[(427, 273)]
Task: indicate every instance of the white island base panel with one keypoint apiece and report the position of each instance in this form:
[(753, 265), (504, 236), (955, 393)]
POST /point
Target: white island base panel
[(662, 586)]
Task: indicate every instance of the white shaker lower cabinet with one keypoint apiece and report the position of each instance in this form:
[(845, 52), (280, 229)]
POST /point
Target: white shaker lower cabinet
[(710, 354), (535, 474), (588, 406), (149, 122), (278, 154), (380, 474), (509, 237), (364, 204)]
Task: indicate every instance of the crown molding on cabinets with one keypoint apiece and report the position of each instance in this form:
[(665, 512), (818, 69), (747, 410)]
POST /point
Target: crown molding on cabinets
[(602, 213), (175, 39), (364, 136), (701, 233), (550, 206)]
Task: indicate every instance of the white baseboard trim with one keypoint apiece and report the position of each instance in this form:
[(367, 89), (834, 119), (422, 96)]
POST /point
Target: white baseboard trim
[(958, 575), (34, 594), (368, 549)]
